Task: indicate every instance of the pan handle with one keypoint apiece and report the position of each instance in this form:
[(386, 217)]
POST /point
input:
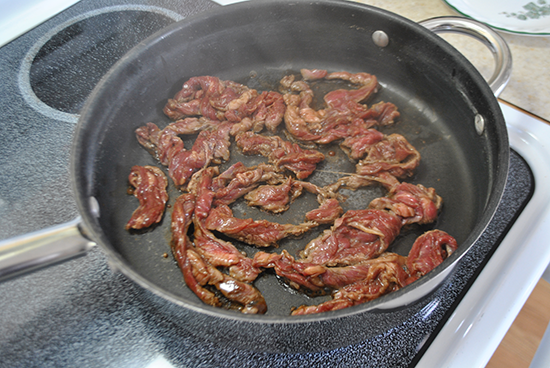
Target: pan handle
[(489, 37), (42, 248)]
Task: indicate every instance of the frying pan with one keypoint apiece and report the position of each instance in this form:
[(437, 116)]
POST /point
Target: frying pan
[(448, 112)]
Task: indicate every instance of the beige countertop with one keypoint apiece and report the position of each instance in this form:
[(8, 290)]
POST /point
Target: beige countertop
[(529, 85)]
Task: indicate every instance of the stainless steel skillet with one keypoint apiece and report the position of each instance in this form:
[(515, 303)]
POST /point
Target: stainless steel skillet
[(442, 98)]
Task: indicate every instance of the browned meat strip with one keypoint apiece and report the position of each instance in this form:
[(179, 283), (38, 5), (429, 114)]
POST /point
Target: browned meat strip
[(150, 189), (277, 198), (328, 212), (200, 185), (261, 233), (148, 136), (344, 116), (196, 262), (300, 275), (355, 182), (197, 273), (197, 95), (412, 203), (192, 266), (319, 279), (274, 198), (280, 153), (199, 263), (428, 251), (376, 277), (239, 180), (211, 146), (182, 218), (389, 272), (216, 251), (357, 146), (266, 109), (394, 154), (160, 143), (354, 237), (312, 74), (248, 299), (220, 253), (226, 100), (362, 273)]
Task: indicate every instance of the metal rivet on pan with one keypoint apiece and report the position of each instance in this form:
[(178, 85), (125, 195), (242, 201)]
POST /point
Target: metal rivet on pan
[(94, 206), (479, 123), (380, 38)]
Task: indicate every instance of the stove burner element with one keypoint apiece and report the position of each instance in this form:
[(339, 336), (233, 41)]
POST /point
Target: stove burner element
[(63, 67), (70, 64)]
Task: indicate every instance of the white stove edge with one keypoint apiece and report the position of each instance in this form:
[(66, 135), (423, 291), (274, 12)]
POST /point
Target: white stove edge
[(19, 17), (479, 323)]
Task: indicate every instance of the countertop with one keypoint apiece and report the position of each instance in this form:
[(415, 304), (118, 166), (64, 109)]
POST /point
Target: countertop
[(529, 85)]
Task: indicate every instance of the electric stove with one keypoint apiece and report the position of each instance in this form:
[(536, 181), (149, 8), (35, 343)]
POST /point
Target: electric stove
[(82, 313)]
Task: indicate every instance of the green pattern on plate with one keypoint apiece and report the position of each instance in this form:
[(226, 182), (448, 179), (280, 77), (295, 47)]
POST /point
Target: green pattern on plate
[(533, 11)]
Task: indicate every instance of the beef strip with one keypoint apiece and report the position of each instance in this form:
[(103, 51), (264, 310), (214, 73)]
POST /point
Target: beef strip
[(344, 115), (354, 182), (354, 237), (328, 212), (211, 146), (216, 251), (239, 180), (299, 275), (357, 146), (198, 94), (281, 153), (150, 189), (412, 203), (194, 270), (428, 251), (389, 272), (240, 295), (266, 109), (277, 199), (226, 100), (393, 154), (274, 198), (198, 272), (375, 277), (261, 233)]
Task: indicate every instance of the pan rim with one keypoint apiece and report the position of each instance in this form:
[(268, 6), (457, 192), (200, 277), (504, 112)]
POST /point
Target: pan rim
[(372, 306)]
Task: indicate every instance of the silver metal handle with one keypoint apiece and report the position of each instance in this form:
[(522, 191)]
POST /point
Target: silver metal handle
[(496, 44), (42, 248)]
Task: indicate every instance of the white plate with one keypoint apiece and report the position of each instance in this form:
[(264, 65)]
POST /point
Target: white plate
[(529, 17)]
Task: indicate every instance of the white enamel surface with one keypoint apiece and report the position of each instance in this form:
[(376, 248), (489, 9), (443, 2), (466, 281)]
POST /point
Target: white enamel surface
[(517, 16), (18, 17), (475, 329), (228, 2)]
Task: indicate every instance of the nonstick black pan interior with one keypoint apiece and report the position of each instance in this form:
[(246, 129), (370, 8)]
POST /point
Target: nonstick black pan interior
[(436, 90)]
